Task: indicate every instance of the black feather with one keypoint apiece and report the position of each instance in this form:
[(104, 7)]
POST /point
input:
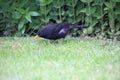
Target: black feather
[(57, 30)]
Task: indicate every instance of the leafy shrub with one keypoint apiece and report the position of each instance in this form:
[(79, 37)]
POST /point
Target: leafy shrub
[(22, 18)]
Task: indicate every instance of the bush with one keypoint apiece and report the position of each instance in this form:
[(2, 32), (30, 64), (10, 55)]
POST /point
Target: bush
[(22, 18)]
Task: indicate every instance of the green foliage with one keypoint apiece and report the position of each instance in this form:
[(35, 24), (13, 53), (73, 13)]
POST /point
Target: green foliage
[(57, 5), (20, 18)]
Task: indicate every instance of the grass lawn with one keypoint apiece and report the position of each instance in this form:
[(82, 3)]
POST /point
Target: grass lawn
[(71, 59)]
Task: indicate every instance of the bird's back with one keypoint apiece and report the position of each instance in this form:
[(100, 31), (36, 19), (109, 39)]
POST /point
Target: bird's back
[(51, 31)]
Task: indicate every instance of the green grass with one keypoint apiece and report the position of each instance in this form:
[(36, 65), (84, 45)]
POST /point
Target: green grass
[(71, 59)]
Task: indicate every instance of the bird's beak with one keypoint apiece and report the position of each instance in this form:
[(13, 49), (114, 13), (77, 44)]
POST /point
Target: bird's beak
[(36, 37)]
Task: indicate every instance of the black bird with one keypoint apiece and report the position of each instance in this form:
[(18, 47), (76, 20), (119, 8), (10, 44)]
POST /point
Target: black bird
[(56, 30)]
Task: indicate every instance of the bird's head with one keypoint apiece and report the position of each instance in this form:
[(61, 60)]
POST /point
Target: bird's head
[(38, 34)]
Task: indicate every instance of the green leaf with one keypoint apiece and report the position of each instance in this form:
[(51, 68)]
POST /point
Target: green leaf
[(22, 11), (89, 30), (27, 9), (48, 1), (118, 26), (117, 9), (111, 15), (62, 12), (58, 3), (106, 8), (118, 17), (94, 22), (86, 1), (98, 2), (46, 20), (87, 19), (84, 10), (45, 10), (117, 33), (70, 12), (99, 13), (109, 5), (71, 2), (33, 13), (92, 10), (17, 15), (23, 30), (98, 16), (21, 24), (115, 0), (45, 2), (78, 9), (28, 17), (70, 20), (79, 17), (88, 11)]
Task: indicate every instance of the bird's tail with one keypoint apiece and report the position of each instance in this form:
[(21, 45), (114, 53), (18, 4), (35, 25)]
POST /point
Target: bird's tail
[(79, 27)]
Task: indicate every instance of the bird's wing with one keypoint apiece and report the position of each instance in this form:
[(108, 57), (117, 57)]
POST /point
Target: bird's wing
[(62, 31)]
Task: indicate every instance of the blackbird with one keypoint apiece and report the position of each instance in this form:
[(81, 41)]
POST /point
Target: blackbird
[(55, 31)]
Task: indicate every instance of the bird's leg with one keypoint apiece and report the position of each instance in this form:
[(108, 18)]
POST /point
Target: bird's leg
[(54, 41), (61, 40)]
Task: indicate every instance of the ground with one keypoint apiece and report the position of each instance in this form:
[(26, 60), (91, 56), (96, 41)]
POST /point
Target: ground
[(69, 59)]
